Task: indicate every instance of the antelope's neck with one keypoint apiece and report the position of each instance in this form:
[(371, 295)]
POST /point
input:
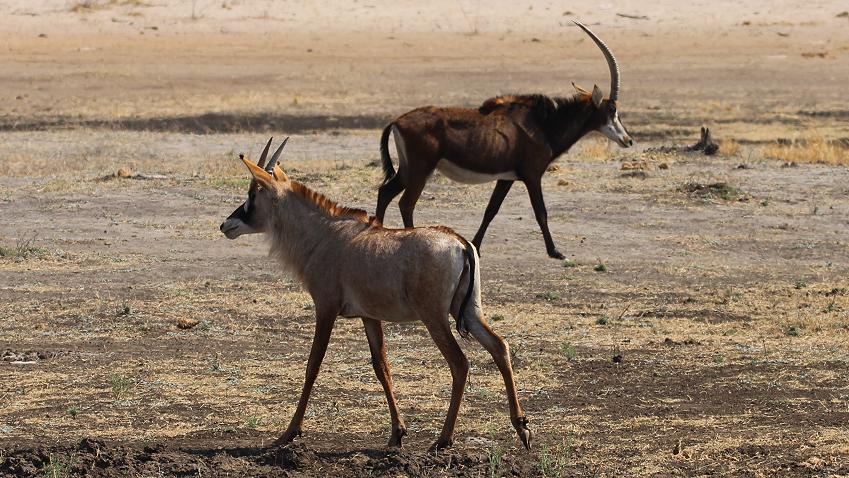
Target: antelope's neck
[(299, 230), (569, 126)]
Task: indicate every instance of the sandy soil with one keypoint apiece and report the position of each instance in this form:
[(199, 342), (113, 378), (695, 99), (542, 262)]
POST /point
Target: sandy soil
[(727, 313)]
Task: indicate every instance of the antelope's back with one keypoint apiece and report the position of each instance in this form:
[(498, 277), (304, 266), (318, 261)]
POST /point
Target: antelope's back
[(396, 274)]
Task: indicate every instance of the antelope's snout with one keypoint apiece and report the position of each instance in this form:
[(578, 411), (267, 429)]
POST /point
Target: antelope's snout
[(235, 225), (615, 131)]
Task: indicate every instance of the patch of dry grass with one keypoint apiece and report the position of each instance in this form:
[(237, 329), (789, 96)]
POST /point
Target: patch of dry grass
[(595, 148), (816, 150), (729, 147), (86, 6)]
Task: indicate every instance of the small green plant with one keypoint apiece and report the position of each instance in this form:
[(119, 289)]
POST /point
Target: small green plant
[(252, 422), (600, 267), (829, 308), (792, 331), (57, 466), (549, 296), (214, 364), (570, 263), (496, 318), (553, 462), (718, 359), (603, 320), (24, 248), (568, 350), (73, 411), (496, 453), (125, 309), (800, 284), (729, 295), (120, 385)]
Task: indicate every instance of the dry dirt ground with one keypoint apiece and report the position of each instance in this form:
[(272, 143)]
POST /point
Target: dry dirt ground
[(694, 331)]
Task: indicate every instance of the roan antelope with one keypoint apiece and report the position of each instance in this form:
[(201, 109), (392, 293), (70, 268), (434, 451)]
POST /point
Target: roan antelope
[(354, 267), (508, 138)]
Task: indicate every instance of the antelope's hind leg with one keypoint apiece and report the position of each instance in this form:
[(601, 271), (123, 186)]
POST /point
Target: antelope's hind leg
[(374, 332), (500, 351), (386, 193)]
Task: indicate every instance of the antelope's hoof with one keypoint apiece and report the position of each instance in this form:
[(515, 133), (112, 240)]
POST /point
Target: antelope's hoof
[(555, 254), (525, 435), (288, 437), (442, 444), (397, 435)]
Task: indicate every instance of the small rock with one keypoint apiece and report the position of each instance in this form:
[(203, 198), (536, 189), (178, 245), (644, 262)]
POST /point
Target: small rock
[(552, 168), (562, 182), (123, 173), (662, 166), (634, 165), (186, 324)]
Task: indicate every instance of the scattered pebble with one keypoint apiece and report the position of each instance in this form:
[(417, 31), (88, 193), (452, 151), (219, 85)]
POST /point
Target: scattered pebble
[(186, 324)]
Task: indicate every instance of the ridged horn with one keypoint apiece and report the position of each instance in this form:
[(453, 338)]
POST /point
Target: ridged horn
[(611, 61), (276, 155), (261, 162)]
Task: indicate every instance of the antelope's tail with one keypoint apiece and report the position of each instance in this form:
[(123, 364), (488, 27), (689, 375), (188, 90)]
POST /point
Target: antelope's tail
[(385, 160), (472, 256)]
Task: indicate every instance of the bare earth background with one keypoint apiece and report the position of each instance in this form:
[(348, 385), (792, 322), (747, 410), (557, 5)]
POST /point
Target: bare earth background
[(727, 306)]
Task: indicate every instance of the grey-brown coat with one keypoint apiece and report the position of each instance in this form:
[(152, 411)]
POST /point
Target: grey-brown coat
[(354, 267)]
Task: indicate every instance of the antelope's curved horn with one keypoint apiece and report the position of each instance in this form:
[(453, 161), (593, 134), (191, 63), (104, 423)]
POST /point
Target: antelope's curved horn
[(264, 154), (276, 155), (611, 61)]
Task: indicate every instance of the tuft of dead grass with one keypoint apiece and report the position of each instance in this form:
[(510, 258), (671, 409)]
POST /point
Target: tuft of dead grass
[(729, 147), (720, 190), (816, 150), (595, 148)]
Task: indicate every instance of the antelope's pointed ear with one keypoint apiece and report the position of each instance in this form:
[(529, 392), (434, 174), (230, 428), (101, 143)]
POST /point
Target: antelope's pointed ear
[(262, 178), (580, 90), (278, 174), (598, 96)]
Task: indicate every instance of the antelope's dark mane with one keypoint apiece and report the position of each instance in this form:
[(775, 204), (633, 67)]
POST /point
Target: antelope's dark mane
[(542, 106), (330, 207)]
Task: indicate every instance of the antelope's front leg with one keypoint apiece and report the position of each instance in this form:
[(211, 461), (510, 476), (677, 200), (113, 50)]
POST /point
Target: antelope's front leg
[(374, 332), (502, 187), (535, 193), (323, 327)]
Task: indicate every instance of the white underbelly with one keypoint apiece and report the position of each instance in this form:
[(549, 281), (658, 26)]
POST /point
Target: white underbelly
[(461, 175)]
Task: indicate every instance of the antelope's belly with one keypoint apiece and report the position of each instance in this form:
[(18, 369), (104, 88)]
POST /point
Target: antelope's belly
[(462, 175)]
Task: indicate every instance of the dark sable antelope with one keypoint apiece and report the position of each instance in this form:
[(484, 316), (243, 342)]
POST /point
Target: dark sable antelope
[(508, 138), (353, 267)]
